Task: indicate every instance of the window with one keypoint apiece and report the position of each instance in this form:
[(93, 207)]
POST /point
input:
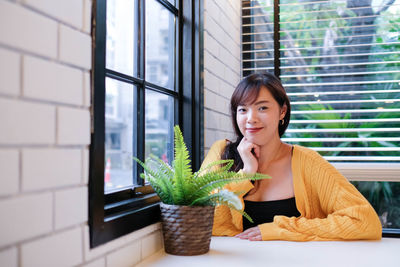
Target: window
[(140, 91), (339, 62)]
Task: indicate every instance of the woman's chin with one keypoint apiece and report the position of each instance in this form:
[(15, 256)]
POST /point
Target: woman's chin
[(255, 140)]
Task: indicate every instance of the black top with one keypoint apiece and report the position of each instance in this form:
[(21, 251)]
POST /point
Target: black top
[(264, 211)]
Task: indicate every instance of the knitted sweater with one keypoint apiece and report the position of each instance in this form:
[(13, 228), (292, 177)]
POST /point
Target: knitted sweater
[(331, 208)]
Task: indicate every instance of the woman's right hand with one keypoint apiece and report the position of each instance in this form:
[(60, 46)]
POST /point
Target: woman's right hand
[(250, 159)]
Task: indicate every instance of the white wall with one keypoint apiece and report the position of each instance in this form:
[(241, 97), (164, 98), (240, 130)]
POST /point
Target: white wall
[(45, 61), (222, 66)]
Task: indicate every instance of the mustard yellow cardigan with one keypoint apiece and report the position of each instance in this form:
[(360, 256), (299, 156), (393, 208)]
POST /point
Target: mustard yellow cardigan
[(331, 208)]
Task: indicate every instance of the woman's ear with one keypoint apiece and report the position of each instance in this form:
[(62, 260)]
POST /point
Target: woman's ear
[(283, 112)]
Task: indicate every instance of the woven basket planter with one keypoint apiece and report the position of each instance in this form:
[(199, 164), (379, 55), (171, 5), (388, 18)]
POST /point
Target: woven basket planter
[(187, 229)]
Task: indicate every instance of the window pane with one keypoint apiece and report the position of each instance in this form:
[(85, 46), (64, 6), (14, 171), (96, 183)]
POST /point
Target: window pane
[(172, 2), (120, 34), (385, 198), (119, 141), (160, 45), (159, 125), (256, 37), (340, 67)]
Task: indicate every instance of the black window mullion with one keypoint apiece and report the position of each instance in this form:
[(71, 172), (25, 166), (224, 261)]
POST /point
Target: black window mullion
[(140, 134), (96, 170), (169, 6), (160, 89), (196, 96), (123, 77), (179, 80)]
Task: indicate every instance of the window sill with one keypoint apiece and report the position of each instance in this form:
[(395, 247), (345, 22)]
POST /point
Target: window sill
[(369, 171), (230, 251)]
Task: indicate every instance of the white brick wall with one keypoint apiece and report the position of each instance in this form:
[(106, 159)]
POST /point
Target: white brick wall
[(9, 166), (9, 257), (44, 168), (60, 249), (151, 244), (75, 47), (24, 217), (25, 122), (222, 66), (9, 72), (97, 263), (127, 256), (71, 207), (47, 80), (73, 126), (45, 63), (24, 29), (69, 11)]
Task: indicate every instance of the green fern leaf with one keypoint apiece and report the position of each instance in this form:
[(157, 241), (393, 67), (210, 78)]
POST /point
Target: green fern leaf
[(157, 179), (226, 198), (223, 163), (212, 181), (182, 168)]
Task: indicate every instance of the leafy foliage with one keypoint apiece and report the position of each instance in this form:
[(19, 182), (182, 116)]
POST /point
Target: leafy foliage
[(178, 185)]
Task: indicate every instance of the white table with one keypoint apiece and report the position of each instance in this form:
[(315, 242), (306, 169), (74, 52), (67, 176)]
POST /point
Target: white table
[(230, 251)]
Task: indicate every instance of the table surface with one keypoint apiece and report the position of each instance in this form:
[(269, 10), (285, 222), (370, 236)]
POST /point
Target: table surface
[(230, 251)]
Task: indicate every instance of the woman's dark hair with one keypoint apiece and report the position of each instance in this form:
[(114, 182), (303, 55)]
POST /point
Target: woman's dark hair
[(246, 92)]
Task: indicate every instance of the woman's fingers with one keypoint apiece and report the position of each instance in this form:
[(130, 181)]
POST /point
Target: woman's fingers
[(250, 160), (257, 151), (252, 234)]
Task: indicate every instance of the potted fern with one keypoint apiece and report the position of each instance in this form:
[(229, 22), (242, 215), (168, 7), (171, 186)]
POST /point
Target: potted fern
[(188, 199)]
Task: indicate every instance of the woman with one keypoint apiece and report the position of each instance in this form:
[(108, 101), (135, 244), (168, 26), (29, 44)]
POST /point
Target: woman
[(306, 197)]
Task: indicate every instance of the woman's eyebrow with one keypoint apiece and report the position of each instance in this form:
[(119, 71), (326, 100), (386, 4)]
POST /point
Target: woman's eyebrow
[(261, 102)]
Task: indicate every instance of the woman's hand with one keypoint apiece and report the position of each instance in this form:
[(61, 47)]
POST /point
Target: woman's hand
[(250, 160), (252, 234)]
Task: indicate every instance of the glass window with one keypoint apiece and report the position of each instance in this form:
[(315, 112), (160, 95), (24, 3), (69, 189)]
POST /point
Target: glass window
[(160, 45), (159, 125), (136, 103), (120, 36), (339, 62), (385, 198), (119, 142)]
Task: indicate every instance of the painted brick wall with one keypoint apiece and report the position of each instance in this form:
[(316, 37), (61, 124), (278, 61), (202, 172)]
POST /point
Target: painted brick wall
[(45, 62), (222, 66)]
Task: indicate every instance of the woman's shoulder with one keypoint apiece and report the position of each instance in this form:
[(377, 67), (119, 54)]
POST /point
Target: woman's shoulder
[(219, 145), (309, 158), (215, 152), (306, 153)]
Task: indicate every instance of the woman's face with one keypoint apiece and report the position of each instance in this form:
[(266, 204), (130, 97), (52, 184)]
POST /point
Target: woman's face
[(259, 121)]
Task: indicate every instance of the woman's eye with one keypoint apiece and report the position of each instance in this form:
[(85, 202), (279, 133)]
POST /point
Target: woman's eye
[(263, 108), (241, 109)]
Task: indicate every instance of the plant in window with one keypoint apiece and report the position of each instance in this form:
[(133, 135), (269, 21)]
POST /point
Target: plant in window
[(188, 199)]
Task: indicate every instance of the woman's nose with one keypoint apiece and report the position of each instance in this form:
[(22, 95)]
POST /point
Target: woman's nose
[(251, 117)]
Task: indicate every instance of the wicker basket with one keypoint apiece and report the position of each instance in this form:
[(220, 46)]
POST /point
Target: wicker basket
[(187, 229)]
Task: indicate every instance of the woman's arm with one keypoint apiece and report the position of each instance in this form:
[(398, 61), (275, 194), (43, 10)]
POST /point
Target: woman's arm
[(334, 209)]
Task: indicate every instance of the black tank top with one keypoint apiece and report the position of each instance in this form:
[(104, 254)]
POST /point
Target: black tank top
[(264, 211)]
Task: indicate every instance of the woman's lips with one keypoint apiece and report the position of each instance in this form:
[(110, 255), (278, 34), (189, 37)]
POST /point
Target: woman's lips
[(253, 130)]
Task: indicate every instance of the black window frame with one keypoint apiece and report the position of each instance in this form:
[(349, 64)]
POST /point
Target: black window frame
[(122, 212)]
